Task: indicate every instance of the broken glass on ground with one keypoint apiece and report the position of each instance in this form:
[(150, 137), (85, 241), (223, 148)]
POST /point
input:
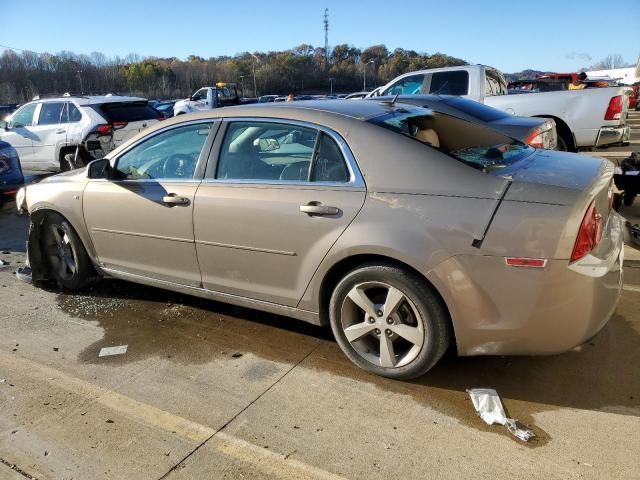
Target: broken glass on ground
[(487, 403), (108, 351)]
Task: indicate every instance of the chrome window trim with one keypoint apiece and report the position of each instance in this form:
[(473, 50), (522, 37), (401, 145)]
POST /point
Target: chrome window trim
[(198, 172), (355, 176)]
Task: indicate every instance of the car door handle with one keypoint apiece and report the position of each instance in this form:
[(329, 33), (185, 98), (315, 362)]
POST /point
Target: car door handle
[(172, 199), (61, 131), (317, 208)]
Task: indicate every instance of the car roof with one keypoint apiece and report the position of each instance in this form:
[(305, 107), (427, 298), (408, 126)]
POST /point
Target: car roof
[(91, 99), (360, 110)]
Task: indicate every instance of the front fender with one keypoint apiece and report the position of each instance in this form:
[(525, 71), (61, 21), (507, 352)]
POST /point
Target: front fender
[(63, 196)]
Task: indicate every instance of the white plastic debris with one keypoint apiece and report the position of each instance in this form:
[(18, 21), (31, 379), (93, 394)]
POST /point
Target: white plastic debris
[(487, 403), (3, 262), (108, 351)]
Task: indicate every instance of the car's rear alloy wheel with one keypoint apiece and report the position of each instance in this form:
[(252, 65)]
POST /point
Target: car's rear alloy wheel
[(382, 324), (68, 260), (388, 321)]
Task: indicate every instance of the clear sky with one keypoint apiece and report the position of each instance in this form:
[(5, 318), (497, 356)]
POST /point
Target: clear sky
[(510, 35)]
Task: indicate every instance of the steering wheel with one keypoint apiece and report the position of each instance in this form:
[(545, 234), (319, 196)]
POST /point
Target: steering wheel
[(177, 165)]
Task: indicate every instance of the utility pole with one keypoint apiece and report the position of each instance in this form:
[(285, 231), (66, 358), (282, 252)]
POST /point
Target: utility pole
[(79, 72), (242, 84), (364, 73), (253, 66), (326, 35), (331, 82)]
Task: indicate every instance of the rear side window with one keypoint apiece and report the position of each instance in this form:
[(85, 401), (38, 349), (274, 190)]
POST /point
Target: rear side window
[(265, 151), (72, 113), (128, 112), (494, 83), (476, 109), (329, 165), (411, 85), (51, 113), (455, 82)]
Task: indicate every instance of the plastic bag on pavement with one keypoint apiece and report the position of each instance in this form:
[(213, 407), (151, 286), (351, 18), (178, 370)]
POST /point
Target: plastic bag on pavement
[(488, 404)]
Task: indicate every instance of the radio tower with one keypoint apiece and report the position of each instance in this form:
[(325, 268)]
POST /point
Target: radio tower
[(326, 34)]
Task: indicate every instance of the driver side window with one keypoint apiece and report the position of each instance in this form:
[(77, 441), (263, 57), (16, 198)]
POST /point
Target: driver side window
[(200, 95), (172, 154), (23, 117)]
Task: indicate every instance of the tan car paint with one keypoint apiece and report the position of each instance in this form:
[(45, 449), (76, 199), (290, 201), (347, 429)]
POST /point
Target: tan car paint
[(272, 252), (414, 214), (135, 232)]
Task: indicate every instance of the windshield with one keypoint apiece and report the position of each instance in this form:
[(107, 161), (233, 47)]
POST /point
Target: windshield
[(474, 145)]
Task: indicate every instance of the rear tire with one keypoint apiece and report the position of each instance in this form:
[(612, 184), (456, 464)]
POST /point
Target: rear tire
[(388, 321), (68, 261), (562, 145)]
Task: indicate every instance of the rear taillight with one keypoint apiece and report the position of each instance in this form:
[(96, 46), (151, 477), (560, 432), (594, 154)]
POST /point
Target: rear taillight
[(108, 128), (614, 110), (589, 234), (104, 129), (543, 136)]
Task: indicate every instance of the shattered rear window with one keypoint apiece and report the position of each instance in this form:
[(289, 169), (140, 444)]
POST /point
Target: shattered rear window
[(470, 143)]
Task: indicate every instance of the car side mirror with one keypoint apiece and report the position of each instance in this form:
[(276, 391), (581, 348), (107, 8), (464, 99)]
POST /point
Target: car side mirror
[(100, 168)]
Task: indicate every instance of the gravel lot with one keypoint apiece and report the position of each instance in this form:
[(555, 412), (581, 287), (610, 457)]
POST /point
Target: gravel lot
[(207, 390)]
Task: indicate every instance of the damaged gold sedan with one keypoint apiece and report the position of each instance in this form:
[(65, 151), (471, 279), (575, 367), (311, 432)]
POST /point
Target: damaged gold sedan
[(402, 228)]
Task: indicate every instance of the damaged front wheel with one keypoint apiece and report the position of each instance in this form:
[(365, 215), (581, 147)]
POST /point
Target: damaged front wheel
[(67, 258)]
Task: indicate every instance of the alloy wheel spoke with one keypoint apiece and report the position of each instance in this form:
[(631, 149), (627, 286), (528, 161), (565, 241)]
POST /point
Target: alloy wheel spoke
[(394, 299), (359, 297), (409, 333), (62, 267), (70, 263), (57, 237), (358, 330), (387, 353)]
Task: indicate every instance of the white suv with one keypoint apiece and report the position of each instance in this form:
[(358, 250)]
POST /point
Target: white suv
[(65, 132)]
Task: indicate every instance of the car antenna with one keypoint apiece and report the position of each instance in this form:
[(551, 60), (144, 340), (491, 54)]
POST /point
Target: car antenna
[(390, 103)]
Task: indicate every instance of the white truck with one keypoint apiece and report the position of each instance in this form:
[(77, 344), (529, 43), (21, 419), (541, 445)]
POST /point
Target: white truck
[(593, 117), (208, 98)]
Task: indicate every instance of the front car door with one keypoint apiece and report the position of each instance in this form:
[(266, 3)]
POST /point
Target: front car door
[(142, 224), (200, 100), (18, 133), (272, 205)]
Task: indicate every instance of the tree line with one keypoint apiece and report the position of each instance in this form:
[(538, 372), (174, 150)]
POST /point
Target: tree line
[(303, 69)]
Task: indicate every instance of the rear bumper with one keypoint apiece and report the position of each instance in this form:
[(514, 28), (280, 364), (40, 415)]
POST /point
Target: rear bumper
[(611, 135), (498, 309)]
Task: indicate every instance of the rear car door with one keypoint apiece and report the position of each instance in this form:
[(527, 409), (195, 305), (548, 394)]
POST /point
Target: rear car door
[(19, 135), (142, 224), (272, 205)]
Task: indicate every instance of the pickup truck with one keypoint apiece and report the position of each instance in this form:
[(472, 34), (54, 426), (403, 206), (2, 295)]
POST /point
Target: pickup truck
[(586, 118), (208, 98)]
